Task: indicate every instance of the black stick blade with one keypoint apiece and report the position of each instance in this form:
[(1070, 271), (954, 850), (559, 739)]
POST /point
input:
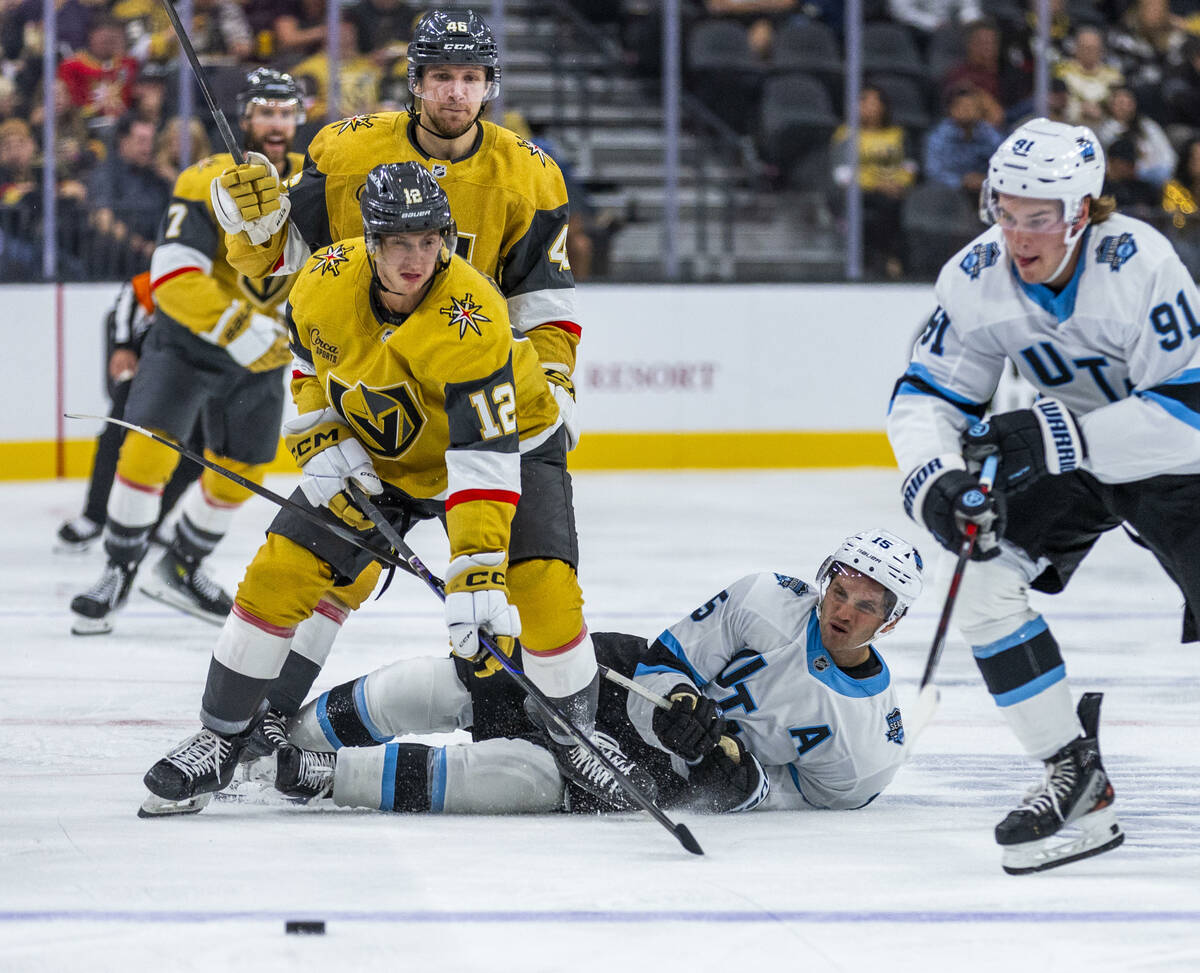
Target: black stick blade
[(686, 839)]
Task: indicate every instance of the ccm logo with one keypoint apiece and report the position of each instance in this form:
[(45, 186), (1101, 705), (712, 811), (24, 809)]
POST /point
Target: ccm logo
[(478, 579)]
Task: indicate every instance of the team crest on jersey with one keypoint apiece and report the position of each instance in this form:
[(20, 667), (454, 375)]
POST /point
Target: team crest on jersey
[(534, 150), (264, 291), (982, 256), (388, 421), (895, 730), (355, 122), (464, 313), (1115, 250), (331, 260), (795, 584)]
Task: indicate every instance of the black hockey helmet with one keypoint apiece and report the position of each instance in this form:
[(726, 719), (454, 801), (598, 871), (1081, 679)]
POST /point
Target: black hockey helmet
[(267, 84), (402, 197), (454, 37)]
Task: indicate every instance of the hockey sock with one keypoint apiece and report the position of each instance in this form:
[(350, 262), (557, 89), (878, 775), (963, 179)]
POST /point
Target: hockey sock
[(309, 650), (132, 510), (395, 777), (202, 523), (247, 657), (1025, 673)]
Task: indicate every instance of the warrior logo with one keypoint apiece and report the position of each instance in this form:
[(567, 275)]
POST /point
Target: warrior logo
[(355, 122), (388, 421), (465, 314), (982, 256), (534, 150), (895, 731), (331, 260), (1115, 250), (797, 586)]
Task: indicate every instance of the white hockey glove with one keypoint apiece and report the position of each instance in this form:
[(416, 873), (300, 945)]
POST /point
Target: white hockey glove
[(329, 456), (1031, 443), (563, 390), (477, 599), (258, 342), (250, 199)]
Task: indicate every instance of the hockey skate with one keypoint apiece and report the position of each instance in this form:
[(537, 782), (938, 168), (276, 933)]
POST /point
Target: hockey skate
[(267, 737), (183, 584), (579, 767), (1076, 793), (94, 607), (304, 775), (202, 764), (77, 535)]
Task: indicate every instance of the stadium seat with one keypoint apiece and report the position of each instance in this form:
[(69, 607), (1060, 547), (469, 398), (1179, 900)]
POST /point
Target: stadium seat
[(722, 72), (810, 47), (907, 99), (890, 49), (937, 221), (796, 114)]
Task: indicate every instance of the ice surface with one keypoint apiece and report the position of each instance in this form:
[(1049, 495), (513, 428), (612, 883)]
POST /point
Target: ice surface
[(912, 882)]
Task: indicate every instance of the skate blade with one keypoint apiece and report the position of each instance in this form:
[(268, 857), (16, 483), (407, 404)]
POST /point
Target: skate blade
[(1099, 832), (168, 596), (82, 625), (78, 547), (158, 807)]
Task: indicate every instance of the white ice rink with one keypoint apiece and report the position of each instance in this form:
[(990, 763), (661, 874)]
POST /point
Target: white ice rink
[(912, 882)]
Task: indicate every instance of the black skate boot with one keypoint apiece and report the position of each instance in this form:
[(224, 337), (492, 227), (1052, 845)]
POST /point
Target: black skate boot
[(1076, 792), (304, 775), (267, 737), (202, 764), (94, 607), (180, 582), (77, 535)]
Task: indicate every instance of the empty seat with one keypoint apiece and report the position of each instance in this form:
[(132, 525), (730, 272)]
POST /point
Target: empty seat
[(722, 72), (810, 47), (906, 96), (795, 115), (890, 49), (937, 220)]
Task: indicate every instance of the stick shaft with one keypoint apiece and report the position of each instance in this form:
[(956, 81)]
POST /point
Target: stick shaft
[(628, 684)]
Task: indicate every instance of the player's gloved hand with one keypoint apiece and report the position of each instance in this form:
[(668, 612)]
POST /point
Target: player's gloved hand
[(249, 198), (728, 779), (944, 498), (692, 726), (477, 599), (563, 390), (330, 456), (1031, 443), (255, 341)]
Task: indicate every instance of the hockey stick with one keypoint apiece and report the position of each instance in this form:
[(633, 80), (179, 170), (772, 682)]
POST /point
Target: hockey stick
[(190, 53), (928, 695), (680, 831), (630, 686), (345, 533)]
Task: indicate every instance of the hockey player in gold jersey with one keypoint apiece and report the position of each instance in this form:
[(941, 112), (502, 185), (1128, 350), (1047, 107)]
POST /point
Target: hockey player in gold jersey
[(410, 383), (508, 196), (214, 353)]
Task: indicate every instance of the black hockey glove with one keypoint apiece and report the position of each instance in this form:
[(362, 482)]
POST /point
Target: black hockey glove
[(729, 778), (691, 727), (945, 499), (1031, 443)]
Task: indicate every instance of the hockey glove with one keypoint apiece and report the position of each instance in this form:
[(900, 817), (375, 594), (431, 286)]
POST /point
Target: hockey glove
[(944, 498), (329, 456), (728, 779), (691, 727), (563, 390), (257, 342), (1031, 443), (249, 198), (477, 599)]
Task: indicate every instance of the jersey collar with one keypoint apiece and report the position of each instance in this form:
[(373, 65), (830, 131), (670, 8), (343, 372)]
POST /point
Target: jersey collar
[(1062, 304), (411, 131), (822, 667)]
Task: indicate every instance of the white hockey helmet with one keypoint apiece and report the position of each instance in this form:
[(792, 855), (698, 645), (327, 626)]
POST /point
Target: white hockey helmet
[(883, 557), (1047, 160)]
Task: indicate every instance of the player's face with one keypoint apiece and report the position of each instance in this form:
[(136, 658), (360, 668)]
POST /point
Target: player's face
[(269, 128), (451, 96), (1035, 234), (853, 608), (406, 261)]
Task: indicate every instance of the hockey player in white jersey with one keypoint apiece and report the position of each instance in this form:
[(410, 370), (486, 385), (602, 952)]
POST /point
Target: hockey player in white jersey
[(777, 697), (1098, 313)]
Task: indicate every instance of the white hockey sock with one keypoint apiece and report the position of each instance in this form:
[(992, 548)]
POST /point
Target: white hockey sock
[(250, 646), (131, 505), (316, 634), (567, 670), (1044, 723), (422, 695)]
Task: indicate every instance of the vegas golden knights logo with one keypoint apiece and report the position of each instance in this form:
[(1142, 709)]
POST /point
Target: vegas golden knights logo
[(264, 291), (387, 421)]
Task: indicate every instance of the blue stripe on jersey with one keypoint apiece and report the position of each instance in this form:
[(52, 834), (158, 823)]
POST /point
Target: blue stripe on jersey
[(387, 785), (1026, 632), (1173, 407), (360, 707), (324, 724), (1032, 688), (437, 781), (1062, 304), (917, 370), (832, 676), (796, 783), (672, 644)]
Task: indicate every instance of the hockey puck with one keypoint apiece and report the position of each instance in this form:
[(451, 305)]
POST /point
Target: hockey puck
[(305, 927)]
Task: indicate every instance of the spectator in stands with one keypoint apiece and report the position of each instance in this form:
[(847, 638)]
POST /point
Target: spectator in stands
[(150, 94), (22, 30), (1147, 42), (168, 151), (980, 69), (1181, 91), (384, 28), (76, 149), (1155, 156), (358, 76), (128, 197), (10, 103), (18, 177), (1089, 77), (219, 32), (300, 31), (1057, 101), (1132, 193), (958, 147), (100, 78), (885, 175), (1181, 202)]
